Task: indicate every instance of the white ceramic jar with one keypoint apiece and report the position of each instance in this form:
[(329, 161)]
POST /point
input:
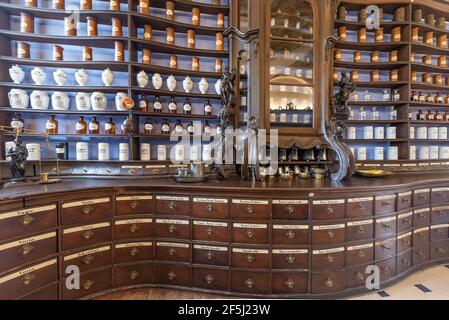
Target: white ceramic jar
[(18, 99), (38, 75), (442, 133), (145, 152), (412, 133), (103, 152), (98, 101), (82, 151), (218, 85), (119, 98), (178, 153), (187, 84), (194, 154), (413, 153), (81, 77), (60, 101), (207, 153), (39, 100), (142, 79), (393, 153), (171, 83), (391, 133), (444, 153), (368, 132), (421, 133), (60, 77), (162, 152), (361, 154), (379, 133), (434, 152), (379, 154), (82, 101), (124, 152), (107, 76), (424, 153), (34, 151), (157, 81), (16, 74), (203, 86), (432, 133)]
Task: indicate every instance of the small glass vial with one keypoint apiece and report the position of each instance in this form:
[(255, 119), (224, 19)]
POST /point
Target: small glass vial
[(375, 114), (386, 96), (165, 127), (170, 10), (207, 129), (94, 126), (439, 116), (393, 114), (196, 16), (81, 126), (143, 103), (367, 96), (148, 127), (414, 97), (157, 105), (421, 97), (179, 128), (109, 127), (172, 106), (51, 126), (191, 128), (362, 114), (17, 123), (187, 107), (208, 108), (431, 116), (396, 95), (355, 96)]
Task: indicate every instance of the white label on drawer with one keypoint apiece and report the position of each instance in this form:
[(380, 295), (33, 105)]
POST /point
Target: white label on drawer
[(329, 227), (87, 227), (440, 208), (133, 221), (155, 167), (131, 167), (85, 202), (323, 202), (290, 202), (173, 245), (422, 191), (422, 210), (405, 235), (210, 200), (290, 251), (327, 251), (250, 226), (373, 165), (390, 219), (405, 194), (405, 215), (409, 165), (384, 242), (85, 253), (392, 165), (26, 211), (290, 227), (210, 248), (360, 223), (435, 163), (168, 198), (245, 201), (361, 247), (134, 244), (440, 189), (390, 197), (22, 242), (166, 221), (210, 224), (253, 251), (420, 230), (133, 198), (439, 226), (28, 270), (355, 200), (424, 164)]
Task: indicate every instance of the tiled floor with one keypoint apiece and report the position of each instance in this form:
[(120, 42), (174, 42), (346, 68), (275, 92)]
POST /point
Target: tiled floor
[(436, 280)]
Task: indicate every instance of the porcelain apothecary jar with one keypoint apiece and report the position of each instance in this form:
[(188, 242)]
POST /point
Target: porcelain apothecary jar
[(98, 101), (142, 79), (204, 86), (108, 77), (171, 83), (218, 86), (157, 81), (39, 100), (17, 74), (18, 99), (60, 101), (119, 101), (82, 101), (38, 76), (60, 77), (187, 84), (81, 77)]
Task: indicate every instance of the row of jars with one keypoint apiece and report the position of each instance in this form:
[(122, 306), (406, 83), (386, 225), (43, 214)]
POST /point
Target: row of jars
[(387, 95), (429, 116), (425, 133), (376, 153), (375, 75), (429, 97), (429, 153), (370, 132), (399, 15), (379, 35), (374, 114)]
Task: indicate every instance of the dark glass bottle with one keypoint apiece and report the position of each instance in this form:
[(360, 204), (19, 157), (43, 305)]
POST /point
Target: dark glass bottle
[(109, 127), (143, 104), (148, 127), (17, 123), (81, 126), (172, 106), (157, 105), (191, 128), (94, 126), (207, 128), (207, 108), (187, 107), (179, 128), (51, 126), (165, 127)]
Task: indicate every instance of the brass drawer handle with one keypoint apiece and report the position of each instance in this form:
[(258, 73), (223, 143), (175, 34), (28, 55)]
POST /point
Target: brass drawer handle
[(26, 220), (88, 284), (330, 210), (26, 249), (171, 275), (361, 254), (362, 206), (386, 204), (172, 252), (210, 255), (331, 234), (330, 258), (290, 283), (441, 250), (359, 276), (134, 252), (88, 234), (250, 234), (361, 230), (210, 231), (250, 258), (133, 275), (386, 247), (290, 209), (172, 205), (329, 283), (422, 197), (172, 228), (209, 279), (290, 234), (249, 283), (386, 226), (28, 278), (421, 254), (134, 205), (88, 259), (132, 171), (250, 210), (290, 259), (405, 241), (133, 228), (88, 209), (385, 270), (210, 207), (407, 221), (405, 262), (403, 200)]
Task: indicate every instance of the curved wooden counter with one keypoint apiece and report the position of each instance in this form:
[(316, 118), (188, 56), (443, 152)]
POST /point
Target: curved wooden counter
[(275, 239)]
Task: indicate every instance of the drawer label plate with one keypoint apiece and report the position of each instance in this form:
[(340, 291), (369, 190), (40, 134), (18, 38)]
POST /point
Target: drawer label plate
[(173, 245), (22, 212), (327, 251), (210, 248), (133, 221), (85, 253), (85, 202), (355, 200), (170, 198), (134, 198), (250, 251), (248, 201), (22, 242), (290, 227), (133, 244), (250, 226), (361, 247), (167, 221), (325, 202), (329, 227), (290, 251), (210, 224), (86, 227), (290, 202), (360, 223), (210, 200), (28, 270)]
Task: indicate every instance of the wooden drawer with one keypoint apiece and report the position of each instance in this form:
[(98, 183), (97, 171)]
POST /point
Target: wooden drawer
[(128, 205), (404, 262), (328, 282), (360, 207), (210, 208), (333, 258), (439, 250), (250, 258), (173, 229), (26, 221), (420, 254), (173, 205), (440, 196), (404, 200), (385, 249), (174, 275), (421, 236), (133, 252), (404, 242), (89, 259), (133, 229), (171, 251), (421, 218), (385, 204), (405, 221), (250, 209), (328, 209), (360, 230), (440, 215), (385, 227), (356, 276), (210, 255), (18, 283), (211, 279), (90, 283), (86, 210), (132, 275), (439, 232), (210, 231), (86, 235), (26, 250), (289, 282), (387, 269), (290, 209), (49, 293), (290, 258), (250, 233), (360, 254), (328, 234), (421, 197), (250, 282), (290, 234)]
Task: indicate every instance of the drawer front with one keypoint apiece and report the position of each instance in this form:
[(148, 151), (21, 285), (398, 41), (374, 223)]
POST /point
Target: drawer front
[(439, 250), (404, 200), (387, 269), (360, 254), (27, 250), (18, 283), (360, 207), (210, 208), (328, 282), (421, 197), (289, 282), (128, 205), (404, 262), (385, 227), (85, 235), (132, 275), (328, 234), (210, 255), (328, 209), (421, 236), (356, 276), (210, 279), (211, 231), (290, 234), (385, 249), (404, 242), (290, 209), (385, 204), (86, 210), (360, 230), (173, 229), (173, 275), (133, 252), (420, 254), (440, 196), (328, 258), (290, 259), (250, 233), (90, 259), (421, 218), (250, 258), (405, 221), (440, 215), (250, 209), (173, 205), (49, 293), (250, 282), (90, 283), (439, 232), (16, 223), (133, 229), (170, 251)]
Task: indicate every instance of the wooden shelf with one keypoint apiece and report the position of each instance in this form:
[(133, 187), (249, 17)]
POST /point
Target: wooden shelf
[(67, 112), (355, 25), (104, 89), (427, 104), (72, 136), (424, 67), (427, 86), (429, 122), (186, 5), (370, 65), (422, 48), (380, 84), (425, 27), (385, 47), (376, 140), (377, 121), (176, 72), (377, 103), (174, 116), (167, 93)]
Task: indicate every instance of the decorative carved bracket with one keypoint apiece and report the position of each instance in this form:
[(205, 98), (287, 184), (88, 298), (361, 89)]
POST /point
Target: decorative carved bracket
[(251, 37)]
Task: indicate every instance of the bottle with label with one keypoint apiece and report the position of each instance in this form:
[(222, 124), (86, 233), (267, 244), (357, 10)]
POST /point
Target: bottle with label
[(446, 117), (143, 104), (362, 114), (439, 98), (207, 108), (148, 127), (219, 130), (207, 129), (62, 151), (109, 127), (179, 128), (157, 105), (431, 116), (187, 107), (81, 126), (94, 126), (421, 97), (393, 114), (386, 96), (375, 114), (172, 106), (439, 116), (414, 96), (191, 128), (396, 95), (367, 95), (410, 115), (165, 127), (421, 116), (351, 114), (17, 123), (51, 126)]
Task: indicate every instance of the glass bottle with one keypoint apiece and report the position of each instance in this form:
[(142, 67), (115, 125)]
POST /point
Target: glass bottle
[(157, 105), (172, 106), (109, 127), (421, 116), (51, 126), (367, 95), (386, 96), (393, 114), (439, 116), (94, 126), (219, 130), (143, 104), (207, 108), (431, 116), (207, 128), (81, 126), (375, 114), (191, 128), (165, 127), (362, 114), (396, 95), (148, 126), (421, 97), (187, 107), (446, 117), (414, 96), (179, 128), (351, 114), (17, 123)]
